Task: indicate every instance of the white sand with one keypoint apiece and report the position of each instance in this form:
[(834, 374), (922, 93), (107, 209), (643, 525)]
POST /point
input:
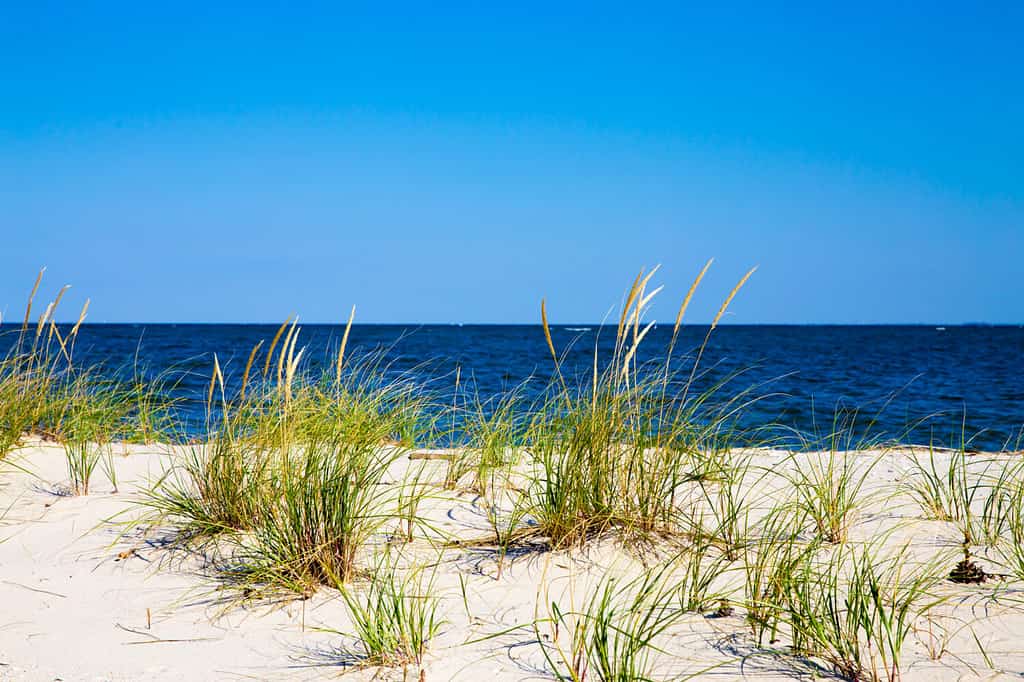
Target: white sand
[(77, 578)]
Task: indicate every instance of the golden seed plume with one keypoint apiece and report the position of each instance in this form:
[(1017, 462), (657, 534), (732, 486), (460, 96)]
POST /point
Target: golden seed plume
[(273, 345), (60, 340), (281, 354), (60, 295), (53, 311), (344, 342), (248, 366), (293, 363), (213, 383), (547, 330), (551, 344), (291, 345), (626, 308), (28, 309), (642, 300), (81, 318), (728, 299), (44, 318), (689, 295), (633, 349)]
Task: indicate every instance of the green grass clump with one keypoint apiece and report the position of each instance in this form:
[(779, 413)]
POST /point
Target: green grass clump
[(44, 392), (699, 566), (291, 480), (944, 493), (854, 608), (82, 458), (213, 488), (829, 492), (975, 502), (770, 564), (325, 503), (728, 499), (93, 416), (616, 635), (395, 614), (612, 454)]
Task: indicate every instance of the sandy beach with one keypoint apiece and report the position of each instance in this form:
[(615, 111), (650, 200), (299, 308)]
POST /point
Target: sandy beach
[(90, 592)]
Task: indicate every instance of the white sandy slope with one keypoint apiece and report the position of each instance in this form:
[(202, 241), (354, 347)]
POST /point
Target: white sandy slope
[(86, 594)]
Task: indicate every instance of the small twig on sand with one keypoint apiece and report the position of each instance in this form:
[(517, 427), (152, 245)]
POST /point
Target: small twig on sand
[(35, 589)]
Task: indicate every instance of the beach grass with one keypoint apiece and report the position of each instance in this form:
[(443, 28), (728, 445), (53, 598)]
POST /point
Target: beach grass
[(45, 393), (855, 608), (290, 480), (395, 614), (302, 481), (612, 453), (616, 633)]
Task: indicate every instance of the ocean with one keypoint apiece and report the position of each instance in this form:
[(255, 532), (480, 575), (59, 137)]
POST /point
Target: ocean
[(920, 384)]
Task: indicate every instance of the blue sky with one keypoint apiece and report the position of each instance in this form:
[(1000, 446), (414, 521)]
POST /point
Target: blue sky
[(456, 163)]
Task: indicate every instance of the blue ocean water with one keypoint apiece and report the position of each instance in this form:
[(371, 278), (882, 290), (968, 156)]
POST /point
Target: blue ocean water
[(912, 383)]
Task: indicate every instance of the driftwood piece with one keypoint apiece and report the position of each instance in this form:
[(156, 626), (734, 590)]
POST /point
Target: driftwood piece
[(445, 454)]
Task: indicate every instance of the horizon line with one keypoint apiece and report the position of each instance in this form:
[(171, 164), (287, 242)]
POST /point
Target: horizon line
[(6, 323)]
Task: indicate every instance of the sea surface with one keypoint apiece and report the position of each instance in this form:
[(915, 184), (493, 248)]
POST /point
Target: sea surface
[(921, 384)]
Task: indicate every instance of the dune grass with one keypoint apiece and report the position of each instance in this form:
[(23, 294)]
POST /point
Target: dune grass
[(395, 614), (35, 374), (293, 487), (290, 480), (615, 634), (770, 564), (949, 493), (612, 453), (44, 392), (855, 608), (829, 491)]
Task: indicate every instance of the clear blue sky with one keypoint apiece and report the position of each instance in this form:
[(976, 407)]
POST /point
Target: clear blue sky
[(455, 163)]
